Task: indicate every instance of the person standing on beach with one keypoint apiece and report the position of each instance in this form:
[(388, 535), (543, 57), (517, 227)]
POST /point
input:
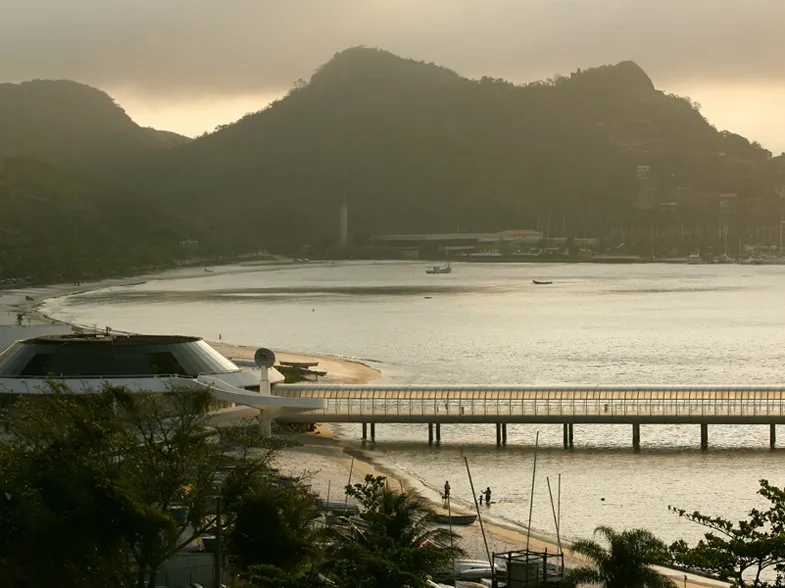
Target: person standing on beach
[(446, 490), (488, 495)]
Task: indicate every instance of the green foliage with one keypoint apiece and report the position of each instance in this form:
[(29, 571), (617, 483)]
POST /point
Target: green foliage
[(398, 544), (275, 527), (70, 123), (60, 224), (625, 562), (742, 553), (91, 483)]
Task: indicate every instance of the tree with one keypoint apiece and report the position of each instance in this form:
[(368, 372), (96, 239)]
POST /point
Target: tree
[(274, 533), (742, 553), (396, 543), (625, 563), (103, 476)]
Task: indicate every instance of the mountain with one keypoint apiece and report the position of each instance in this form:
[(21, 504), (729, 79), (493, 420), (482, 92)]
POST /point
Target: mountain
[(57, 223), (415, 147), (70, 123)]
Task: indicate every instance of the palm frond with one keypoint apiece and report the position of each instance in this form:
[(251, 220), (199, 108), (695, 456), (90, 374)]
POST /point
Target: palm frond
[(583, 575)]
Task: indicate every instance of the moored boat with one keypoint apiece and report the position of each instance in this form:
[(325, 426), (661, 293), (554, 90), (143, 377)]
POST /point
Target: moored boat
[(464, 520), (541, 283), (439, 269)]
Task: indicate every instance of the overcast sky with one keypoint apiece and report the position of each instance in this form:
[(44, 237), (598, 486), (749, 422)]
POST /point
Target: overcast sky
[(188, 65)]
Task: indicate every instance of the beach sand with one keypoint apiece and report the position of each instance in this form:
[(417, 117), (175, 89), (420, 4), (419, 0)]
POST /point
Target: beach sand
[(339, 370), (326, 462)]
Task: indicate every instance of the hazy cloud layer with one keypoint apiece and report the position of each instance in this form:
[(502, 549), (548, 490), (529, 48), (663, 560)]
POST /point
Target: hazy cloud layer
[(181, 48)]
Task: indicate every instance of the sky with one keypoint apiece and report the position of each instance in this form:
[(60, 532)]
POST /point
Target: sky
[(190, 65)]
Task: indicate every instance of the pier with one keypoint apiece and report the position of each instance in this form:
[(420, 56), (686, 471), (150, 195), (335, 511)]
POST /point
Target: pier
[(565, 405)]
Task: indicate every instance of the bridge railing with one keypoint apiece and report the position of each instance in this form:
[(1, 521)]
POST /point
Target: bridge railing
[(606, 402)]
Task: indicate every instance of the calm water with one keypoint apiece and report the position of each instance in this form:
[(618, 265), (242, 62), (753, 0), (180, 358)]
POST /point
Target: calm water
[(487, 324)]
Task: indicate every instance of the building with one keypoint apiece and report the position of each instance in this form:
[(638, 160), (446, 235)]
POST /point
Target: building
[(143, 363)]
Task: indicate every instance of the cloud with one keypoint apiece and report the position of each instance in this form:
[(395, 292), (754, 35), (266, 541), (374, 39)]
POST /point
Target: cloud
[(182, 48)]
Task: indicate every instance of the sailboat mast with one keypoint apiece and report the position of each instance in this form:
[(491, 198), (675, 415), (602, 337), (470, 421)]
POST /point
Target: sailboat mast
[(531, 497), (477, 508)]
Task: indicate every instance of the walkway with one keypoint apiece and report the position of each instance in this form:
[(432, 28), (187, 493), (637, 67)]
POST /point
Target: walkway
[(567, 405)]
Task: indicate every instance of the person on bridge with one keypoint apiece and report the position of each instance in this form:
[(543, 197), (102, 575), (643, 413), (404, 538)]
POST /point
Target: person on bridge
[(446, 490), (487, 495)]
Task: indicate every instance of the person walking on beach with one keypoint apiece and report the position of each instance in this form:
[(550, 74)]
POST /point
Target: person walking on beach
[(446, 490), (488, 495)]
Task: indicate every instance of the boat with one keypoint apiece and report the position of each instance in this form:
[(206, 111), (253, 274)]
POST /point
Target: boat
[(694, 258), (723, 259), (464, 520), (439, 269), (541, 283), (340, 508)]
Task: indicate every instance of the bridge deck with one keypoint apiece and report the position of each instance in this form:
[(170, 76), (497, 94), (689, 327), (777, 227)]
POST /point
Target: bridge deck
[(542, 404)]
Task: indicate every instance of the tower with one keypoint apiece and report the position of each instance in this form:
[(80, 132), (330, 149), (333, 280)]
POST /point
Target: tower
[(344, 224)]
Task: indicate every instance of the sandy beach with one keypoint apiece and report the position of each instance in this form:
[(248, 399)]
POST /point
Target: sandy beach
[(326, 463), (324, 460)]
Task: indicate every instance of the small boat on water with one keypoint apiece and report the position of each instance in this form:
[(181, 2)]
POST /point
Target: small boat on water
[(541, 283), (463, 520), (439, 269)]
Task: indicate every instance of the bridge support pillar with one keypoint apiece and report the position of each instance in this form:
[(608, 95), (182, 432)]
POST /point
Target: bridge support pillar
[(568, 435), (772, 435), (430, 433), (365, 431), (373, 432), (438, 433), (504, 434), (704, 436), (636, 436), (498, 434)]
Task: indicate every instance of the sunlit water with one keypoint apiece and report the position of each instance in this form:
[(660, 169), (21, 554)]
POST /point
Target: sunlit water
[(487, 324)]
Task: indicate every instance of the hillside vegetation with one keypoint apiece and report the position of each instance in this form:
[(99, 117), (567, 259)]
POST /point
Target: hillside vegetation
[(415, 147), (60, 224), (70, 123)]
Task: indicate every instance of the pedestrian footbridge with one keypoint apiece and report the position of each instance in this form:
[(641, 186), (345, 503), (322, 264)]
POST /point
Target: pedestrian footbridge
[(567, 405)]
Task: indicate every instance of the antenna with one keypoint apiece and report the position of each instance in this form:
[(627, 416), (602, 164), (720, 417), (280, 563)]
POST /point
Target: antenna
[(264, 358)]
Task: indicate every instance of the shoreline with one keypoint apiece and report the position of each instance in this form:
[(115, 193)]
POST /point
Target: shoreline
[(326, 461)]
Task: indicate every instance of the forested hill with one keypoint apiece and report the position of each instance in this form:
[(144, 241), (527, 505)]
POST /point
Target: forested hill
[(415, 147), (67, 122), (60, 224)]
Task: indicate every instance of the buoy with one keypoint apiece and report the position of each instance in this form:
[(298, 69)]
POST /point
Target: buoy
[(602, 499)]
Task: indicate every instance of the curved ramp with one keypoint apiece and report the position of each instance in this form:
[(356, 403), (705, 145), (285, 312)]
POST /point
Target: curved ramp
[(273, 406)]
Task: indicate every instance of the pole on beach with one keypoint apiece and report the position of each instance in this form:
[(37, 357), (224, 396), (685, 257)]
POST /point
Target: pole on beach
[(328, 493), (449, 518), (477, 508), (555, 518), (531, 496), (349, 483), (558, 502)]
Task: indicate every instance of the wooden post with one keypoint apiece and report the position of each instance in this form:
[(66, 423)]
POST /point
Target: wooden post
[(572, 430), (772, 435), (636, 436), (504, 434), (373, 432), (566, 435), (704, 436), (365, 431), (430, 433), (438, 433), (498, 435)]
